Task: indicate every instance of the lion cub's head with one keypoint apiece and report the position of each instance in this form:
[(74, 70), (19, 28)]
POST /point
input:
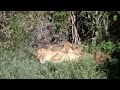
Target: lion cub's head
[(101, 57)]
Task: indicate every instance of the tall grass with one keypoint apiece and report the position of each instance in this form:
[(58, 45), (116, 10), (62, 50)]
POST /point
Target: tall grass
[(19, 65)]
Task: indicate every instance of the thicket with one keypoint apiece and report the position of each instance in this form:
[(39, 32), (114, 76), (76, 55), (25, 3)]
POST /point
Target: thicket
[(99, 30)]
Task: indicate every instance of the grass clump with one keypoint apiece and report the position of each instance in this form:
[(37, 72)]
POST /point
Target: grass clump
[(19, 65)]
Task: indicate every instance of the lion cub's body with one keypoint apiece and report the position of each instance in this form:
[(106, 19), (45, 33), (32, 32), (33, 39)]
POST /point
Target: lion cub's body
[(56, 48), (59, 52)]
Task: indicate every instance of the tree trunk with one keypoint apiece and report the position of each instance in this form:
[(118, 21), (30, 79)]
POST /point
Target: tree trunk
[(75, 35)]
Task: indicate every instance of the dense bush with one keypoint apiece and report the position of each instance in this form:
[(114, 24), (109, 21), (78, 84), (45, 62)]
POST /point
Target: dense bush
[(20, 65), (107, 47), (98, 30)]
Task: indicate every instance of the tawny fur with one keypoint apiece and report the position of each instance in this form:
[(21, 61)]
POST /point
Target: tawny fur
[(77, 49), (59, 53), (56, 48), (101, 57)]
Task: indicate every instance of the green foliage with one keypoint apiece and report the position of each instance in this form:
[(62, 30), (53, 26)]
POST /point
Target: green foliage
[(60, 19), (18, 24), (119, 46), (115, 17), (19, 65), (112, 68), (107, 47), (96, 20)]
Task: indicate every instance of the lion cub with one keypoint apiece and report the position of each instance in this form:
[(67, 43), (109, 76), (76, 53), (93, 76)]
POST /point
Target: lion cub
[(56, 47), (77, 49), (64, 48), (67, 46), (59, 52), (101, 57), (45, 54), (61, 56)]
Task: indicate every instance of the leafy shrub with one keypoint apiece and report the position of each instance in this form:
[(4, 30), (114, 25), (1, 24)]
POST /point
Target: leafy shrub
[(18, 24), (107, 47)]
